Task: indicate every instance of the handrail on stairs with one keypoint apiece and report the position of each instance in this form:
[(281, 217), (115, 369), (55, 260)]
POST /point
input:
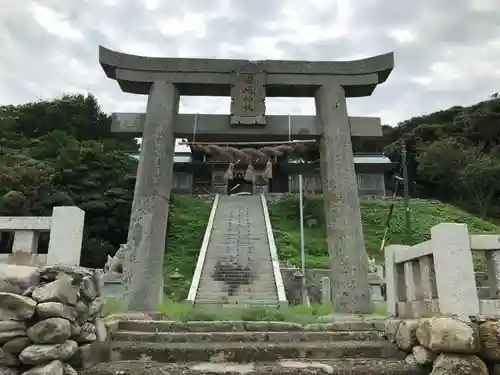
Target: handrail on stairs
[(280, 288), (203, 253)]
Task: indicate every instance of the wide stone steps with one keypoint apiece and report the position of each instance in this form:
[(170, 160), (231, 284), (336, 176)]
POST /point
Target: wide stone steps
[(197, 337), (376, 325), (342, 347), (244, 352), (238, 242), (283, 367)]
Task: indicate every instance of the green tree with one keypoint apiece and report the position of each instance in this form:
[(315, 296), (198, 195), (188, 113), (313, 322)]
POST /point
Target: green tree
[(479, 179)]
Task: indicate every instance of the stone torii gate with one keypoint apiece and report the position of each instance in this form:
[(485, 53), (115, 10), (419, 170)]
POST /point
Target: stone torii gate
[(248, 83)]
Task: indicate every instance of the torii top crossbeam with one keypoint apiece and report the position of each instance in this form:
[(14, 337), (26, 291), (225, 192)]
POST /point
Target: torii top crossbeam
[(216, 77)]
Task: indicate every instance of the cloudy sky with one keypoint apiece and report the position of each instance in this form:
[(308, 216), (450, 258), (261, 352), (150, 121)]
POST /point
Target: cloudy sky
[(447, 51)]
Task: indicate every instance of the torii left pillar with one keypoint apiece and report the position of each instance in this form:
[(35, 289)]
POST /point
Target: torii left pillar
[(143, 276)]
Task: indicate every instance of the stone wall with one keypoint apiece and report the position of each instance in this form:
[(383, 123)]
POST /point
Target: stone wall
[(449, 345), (50, 319)]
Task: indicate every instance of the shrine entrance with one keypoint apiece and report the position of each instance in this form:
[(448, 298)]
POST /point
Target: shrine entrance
[(239, 186), (248, 83)]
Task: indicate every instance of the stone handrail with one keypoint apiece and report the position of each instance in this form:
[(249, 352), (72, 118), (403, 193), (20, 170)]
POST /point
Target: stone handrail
[(437, 277), (280, 288), (65, 243), (203, 253)]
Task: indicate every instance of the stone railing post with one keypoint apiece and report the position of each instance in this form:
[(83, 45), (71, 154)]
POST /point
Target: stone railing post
[(66, 234), (394, 279), (326, 291), (454, 267)]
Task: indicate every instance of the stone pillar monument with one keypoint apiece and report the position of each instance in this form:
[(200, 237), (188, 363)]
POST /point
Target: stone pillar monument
[(344, 229), (148, 221)]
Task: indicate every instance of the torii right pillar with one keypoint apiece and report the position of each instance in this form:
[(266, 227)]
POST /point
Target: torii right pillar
[(344, 228)]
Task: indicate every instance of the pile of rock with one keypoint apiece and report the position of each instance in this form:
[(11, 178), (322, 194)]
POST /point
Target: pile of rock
[(50, 319), (449, 345)]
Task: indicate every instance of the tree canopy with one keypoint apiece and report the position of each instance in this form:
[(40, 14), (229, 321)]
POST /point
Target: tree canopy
[(62, 152)]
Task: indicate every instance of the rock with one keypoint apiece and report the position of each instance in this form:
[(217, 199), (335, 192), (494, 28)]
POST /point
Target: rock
[(423, 356), (489, 335), (10, 329), (410, 359), (96, 307), (452, 364), (56, 310), (17, 345), (50, 331), (83, 311), (38, 354), (54, 271), (480, 318), (447, 335), (98, 282), (406, 337), (85, 357), (60, 290), (51, 368), (461, 317), (8, 359), (88, 288), (16, 307), (391, 329), (75, 330), (16, 279), (4, 370), (88, 334), (68, 370), (28, 292)]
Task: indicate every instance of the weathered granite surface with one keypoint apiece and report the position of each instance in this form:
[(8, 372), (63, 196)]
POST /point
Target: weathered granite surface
[(288, 367), (215, 77), (217, 127), (148, 221), (346, 245)]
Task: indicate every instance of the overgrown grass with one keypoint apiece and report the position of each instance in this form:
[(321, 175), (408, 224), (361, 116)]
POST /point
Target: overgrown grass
[(299, 314), (183, 312), (424, 215), (189, 217), (187, 222)]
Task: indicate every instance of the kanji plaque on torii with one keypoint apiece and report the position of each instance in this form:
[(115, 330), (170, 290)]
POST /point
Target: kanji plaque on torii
[(248, 99)]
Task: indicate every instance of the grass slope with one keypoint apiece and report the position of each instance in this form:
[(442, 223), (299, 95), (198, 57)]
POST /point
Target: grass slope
[(424, 215), (188, 217)]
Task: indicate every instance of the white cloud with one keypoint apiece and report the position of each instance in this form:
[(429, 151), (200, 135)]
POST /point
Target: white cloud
[(55, 23)]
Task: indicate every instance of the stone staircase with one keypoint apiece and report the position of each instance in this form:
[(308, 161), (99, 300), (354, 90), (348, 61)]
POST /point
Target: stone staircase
[(339, 348), (237, 268)]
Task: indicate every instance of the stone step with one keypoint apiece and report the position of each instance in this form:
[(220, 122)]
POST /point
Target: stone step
[(236, 305), (251, 292), (246, 326), (242, 302), (257, 296), (260, 276), (194, 337), (251, 351), (217, 298), (285, 367)]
